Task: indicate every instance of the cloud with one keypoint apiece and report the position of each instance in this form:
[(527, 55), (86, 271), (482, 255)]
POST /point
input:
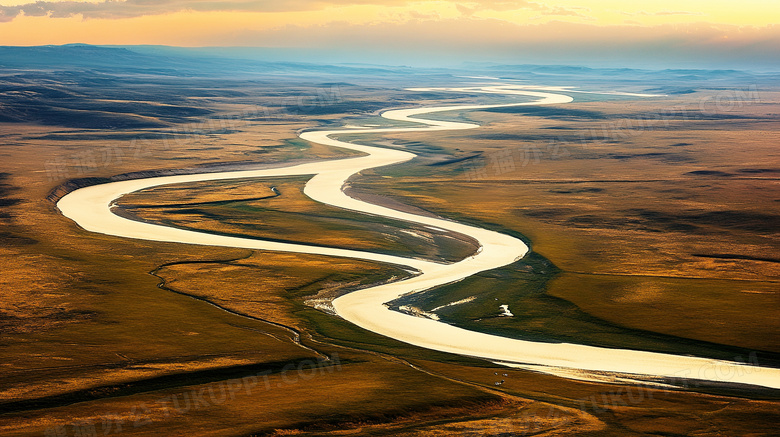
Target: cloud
[(420, 16), (563, 12), (421, 35), (118, 9), (136, 8), (501, 5), (677, 13), (468, 9), (661, 13), (556, 42)]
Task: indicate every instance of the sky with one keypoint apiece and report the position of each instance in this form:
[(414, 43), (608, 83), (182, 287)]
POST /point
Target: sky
[(671, 33)]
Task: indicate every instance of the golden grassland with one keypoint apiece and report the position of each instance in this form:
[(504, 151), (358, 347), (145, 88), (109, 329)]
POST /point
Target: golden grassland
[(90, 334), (277, 209), (663, 228)]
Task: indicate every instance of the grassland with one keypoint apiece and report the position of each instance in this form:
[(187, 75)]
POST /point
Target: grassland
[(652, 232), (631, 229), (284, 213)]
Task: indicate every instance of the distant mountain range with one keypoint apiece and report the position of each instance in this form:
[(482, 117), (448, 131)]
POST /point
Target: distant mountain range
[(159, 60), (216, 61)]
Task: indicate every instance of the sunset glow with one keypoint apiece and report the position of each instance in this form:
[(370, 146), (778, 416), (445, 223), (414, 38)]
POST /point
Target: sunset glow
[(466, 25)]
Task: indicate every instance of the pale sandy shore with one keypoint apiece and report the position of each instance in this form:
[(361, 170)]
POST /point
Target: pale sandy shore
[(90, 208)]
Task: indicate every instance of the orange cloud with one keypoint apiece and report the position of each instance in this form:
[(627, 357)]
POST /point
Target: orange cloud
[(500, 30)]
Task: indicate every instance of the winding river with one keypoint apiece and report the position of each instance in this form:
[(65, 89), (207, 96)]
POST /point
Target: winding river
[(91, 208)]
